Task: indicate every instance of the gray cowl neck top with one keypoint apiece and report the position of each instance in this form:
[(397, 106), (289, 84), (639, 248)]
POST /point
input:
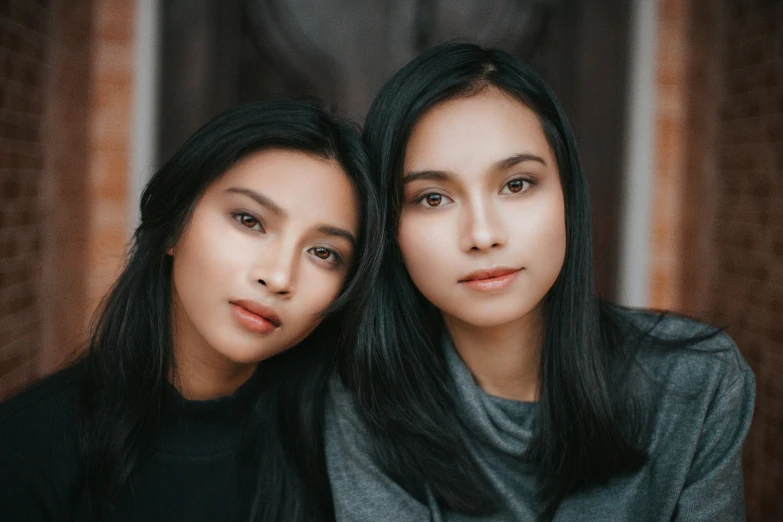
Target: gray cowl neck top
[(702, 401)]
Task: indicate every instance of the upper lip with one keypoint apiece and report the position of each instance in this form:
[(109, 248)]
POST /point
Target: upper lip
[(260, 310), (488, 273)]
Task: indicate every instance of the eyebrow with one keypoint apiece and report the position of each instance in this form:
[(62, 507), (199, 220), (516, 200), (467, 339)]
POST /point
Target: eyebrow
[(271, 205), (338, 232), (516, 159), (258, 198), (435, 175), (440, 175)]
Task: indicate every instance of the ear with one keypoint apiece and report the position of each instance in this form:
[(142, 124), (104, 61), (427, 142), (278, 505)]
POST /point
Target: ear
[(170, 252)]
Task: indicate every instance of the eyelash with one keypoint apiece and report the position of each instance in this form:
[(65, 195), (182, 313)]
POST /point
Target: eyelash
[(337, 262), (238, 216), (527, 183), (420, 200), (526, 186)]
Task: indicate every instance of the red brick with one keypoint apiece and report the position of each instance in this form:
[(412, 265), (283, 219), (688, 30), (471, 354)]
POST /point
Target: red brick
[(740, 132), (23, 70)]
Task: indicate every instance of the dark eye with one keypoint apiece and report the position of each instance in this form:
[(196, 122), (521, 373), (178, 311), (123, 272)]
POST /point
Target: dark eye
[(516, 186), (321, 253), (433, 200), (325, 254), (248, 221)]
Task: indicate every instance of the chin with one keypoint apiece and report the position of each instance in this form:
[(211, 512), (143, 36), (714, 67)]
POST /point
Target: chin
[(491, 321), (243, 354), (494, 315)]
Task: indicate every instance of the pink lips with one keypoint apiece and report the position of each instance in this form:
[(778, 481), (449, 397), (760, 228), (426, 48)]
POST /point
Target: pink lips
[(493, 280), (254, 316)]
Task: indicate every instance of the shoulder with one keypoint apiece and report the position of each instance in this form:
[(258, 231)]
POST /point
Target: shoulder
[(341, 405), (686, 356), (48, 402), (345, 427), (38, 426), (361, 487), (39, 447)]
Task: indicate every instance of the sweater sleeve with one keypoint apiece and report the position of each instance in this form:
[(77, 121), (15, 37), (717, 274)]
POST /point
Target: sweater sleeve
[(360, 489), (713, 489)]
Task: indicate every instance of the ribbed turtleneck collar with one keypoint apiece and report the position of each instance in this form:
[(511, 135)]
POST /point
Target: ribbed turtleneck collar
[(205, 428), (503, 424)]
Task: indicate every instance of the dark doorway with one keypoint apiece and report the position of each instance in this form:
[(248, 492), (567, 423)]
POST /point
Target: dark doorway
[(216, 54)]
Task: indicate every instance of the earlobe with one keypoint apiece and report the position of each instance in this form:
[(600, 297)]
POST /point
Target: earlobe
[(170, 251)]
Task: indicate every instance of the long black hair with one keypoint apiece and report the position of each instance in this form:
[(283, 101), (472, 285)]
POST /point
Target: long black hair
[(130, 352), (589, 427)]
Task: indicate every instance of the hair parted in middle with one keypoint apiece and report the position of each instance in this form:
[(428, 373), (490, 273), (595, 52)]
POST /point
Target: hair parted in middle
[(397, 367)]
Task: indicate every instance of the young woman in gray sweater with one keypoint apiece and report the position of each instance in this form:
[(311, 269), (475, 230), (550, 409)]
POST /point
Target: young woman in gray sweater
[(488, 382)]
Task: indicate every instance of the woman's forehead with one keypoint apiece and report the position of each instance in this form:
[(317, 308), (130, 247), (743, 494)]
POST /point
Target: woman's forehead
[(294, 184), (483, 128)]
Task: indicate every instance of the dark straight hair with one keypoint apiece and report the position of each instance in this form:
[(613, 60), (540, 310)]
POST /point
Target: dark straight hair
[(130, 353), (589, 427)]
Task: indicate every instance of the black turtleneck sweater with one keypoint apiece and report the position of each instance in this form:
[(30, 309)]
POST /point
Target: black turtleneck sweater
[(190, 475)]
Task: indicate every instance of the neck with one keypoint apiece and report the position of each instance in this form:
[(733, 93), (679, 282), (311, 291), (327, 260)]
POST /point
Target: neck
[(200, 372), (199, 380), (503, 359)]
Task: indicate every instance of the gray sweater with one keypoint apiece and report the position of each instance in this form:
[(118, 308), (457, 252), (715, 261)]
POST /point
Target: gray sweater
[(702, 407)]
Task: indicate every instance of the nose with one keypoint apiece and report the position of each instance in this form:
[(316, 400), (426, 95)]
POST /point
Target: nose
[(482, 229), (276, 269)]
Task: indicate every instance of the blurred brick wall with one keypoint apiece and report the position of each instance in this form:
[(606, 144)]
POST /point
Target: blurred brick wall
[(110, 135), (670, 125), (746, 290), (66, 71), (717, 235), (64, 199), (25, 32)]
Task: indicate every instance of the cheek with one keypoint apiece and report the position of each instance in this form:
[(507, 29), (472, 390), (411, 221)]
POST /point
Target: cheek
[(557, 230), (320, 291), (426, 244), (205, 260), (546, 228)]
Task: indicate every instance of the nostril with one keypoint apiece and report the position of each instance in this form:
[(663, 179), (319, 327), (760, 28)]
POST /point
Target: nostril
[(262, 282)]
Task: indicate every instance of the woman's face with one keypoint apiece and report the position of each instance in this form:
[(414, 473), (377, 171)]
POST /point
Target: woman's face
[(482, 230), (266, 251)]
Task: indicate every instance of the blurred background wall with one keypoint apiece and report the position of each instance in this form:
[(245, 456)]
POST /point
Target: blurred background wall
[(677, 106)]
